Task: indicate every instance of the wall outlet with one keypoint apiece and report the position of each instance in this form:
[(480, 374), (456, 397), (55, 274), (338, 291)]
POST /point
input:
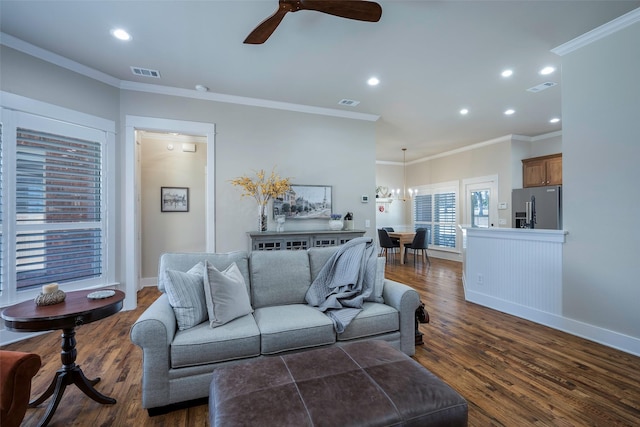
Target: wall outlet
[(502, 221), (480, 279), (367, 223)]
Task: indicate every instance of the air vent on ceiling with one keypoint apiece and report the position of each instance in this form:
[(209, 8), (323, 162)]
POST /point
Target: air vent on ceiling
[(541, 87), (348, 102), (145, 72)]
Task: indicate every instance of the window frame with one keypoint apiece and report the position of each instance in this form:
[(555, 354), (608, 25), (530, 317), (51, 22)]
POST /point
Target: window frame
[(20, 112)]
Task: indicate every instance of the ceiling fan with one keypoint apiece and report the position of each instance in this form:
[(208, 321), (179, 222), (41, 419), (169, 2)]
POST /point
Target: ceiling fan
[(359, 10)]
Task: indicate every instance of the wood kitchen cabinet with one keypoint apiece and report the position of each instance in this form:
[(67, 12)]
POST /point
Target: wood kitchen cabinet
[(541, 171)]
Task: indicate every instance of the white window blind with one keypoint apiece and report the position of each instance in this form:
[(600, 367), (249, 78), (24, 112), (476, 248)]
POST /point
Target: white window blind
[(58, 208), (435, 208)]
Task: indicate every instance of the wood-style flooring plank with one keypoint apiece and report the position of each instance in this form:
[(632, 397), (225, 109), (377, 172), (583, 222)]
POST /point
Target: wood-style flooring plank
[(511, 371)]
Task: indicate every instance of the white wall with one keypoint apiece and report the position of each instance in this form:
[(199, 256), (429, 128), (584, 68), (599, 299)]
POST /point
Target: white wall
[(601, 144), (485, 160), (311, 149), (394, 215)]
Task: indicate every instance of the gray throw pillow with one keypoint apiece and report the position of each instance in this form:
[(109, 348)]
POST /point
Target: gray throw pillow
[(378, 286), (186, 296), (226, 294)]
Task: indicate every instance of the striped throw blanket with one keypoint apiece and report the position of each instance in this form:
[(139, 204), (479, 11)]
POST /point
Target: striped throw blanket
[(345, 281)]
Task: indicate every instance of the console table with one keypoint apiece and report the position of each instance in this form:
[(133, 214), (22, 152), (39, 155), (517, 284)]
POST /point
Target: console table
[(299, 240)]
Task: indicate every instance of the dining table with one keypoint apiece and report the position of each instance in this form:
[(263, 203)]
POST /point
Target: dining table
[(404, 237)]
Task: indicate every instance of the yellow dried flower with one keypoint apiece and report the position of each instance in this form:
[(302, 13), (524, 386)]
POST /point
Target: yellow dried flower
[(261, 188)]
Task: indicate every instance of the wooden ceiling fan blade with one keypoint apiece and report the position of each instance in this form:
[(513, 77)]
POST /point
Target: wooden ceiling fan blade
[(262, 32), (352, 9)]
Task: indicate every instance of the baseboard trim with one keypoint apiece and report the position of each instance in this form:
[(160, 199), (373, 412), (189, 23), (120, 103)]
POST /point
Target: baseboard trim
[(593, 333)]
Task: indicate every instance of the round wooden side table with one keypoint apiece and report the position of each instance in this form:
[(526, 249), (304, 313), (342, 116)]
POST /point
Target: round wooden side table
[(77, 309)]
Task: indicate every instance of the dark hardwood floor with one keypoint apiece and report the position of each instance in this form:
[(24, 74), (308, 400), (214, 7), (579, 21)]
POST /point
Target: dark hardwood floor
[(511, 371)]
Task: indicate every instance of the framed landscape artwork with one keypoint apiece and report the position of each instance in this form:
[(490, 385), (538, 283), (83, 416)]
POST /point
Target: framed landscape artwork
[(304, 202), (174, 199)]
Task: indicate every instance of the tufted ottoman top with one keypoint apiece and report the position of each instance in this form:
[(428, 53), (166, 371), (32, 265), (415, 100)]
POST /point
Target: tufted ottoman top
[(366, 383)]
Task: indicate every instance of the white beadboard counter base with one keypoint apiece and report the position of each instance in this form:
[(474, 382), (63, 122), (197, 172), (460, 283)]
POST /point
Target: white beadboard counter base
[(519, 272)]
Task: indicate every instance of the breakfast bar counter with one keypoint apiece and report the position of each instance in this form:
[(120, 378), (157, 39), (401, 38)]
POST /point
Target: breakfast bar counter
[(513, 270)]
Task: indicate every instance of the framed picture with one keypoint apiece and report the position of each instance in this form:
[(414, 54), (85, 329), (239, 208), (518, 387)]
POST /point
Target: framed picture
[(305, 202), (174, 199)]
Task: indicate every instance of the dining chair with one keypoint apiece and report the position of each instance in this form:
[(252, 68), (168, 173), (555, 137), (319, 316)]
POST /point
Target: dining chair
[(393, 239), (419, 243), (385, 242)]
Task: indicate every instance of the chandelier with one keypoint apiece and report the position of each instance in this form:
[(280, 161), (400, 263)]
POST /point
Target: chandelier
[(396, 194)]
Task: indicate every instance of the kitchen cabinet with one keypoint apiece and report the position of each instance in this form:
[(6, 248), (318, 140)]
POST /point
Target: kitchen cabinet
[(542, 171)]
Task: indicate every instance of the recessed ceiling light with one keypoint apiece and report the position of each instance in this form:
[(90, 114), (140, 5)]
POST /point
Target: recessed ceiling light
[(509, 112), (373, 81), (554, 120), (507, 73), (464, 111), (120, 34), (547, 70)]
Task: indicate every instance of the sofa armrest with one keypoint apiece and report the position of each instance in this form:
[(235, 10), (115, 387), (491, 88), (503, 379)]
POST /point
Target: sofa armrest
[(406, 300), (153, 332)]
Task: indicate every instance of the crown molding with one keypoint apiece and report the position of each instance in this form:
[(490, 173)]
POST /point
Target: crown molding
[(54, 58), (241, 100), (546, 136), (598, 33), (61, 61), (505, 138)]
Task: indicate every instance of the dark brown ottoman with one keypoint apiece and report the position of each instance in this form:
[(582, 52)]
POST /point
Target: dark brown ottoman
[(366, 383)]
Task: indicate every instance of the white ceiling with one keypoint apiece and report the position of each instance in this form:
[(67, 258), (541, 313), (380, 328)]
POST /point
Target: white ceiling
[(432, 57)]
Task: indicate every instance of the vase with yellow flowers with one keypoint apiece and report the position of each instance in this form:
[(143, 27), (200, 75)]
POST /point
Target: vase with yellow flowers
[(263, 188)]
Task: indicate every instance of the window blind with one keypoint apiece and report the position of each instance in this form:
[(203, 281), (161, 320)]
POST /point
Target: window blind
[(435, 210), (58, 208), (57, 178)]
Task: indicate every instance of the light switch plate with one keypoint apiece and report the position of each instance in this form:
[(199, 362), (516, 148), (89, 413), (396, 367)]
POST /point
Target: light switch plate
[(502, 206)]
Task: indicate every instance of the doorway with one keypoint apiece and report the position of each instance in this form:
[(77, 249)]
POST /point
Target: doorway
[(481, 202), (131, 229), (170, 163)]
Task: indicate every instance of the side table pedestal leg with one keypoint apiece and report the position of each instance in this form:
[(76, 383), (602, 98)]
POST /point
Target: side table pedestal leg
[(70, 373)]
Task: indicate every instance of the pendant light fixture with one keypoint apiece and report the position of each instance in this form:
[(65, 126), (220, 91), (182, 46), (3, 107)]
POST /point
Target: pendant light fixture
[(404, 179)]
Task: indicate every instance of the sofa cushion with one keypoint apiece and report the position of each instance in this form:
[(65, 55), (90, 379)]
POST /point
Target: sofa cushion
[(292, 327), (279, 277), (226, 294), (185, 292), (318, 257), (184, 261), (374, 319), (202, 344)]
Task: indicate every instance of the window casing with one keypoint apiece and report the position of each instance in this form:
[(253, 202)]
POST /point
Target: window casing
[(435, 208), (55, 226)]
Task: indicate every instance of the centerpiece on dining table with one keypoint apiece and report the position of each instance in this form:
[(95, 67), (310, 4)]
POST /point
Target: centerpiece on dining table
[(263, 188)]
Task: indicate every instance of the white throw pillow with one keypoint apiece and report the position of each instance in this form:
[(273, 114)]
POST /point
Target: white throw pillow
[(226, 294), (186, 296)]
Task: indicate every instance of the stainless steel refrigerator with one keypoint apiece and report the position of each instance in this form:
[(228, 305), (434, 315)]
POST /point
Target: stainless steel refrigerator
[(537, 207)]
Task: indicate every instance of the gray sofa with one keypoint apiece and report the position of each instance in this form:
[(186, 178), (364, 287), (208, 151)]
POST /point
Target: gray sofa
[(178, 364)]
